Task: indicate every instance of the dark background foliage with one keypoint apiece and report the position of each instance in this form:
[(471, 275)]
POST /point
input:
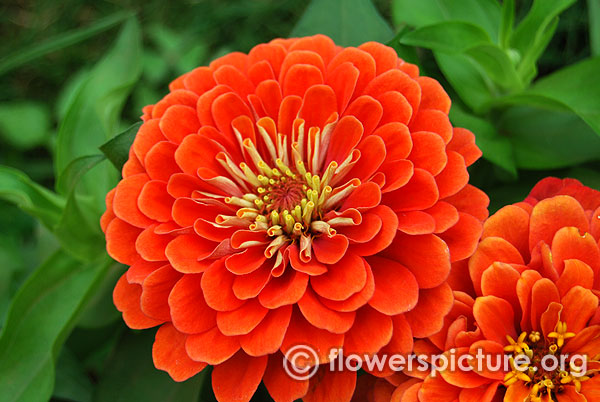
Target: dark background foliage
[(61, 337)]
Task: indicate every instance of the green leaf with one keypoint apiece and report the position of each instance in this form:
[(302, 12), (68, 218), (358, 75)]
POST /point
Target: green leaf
[(69, 91), (117, 149), (506, 23), (464, 74), (25, 124), (92, 116), (406, 53), (78, 229), (73, 173), (496, 148), (347, 22), (24, 56), (32, 198), (72, 382), (484, 13), (575, 88), (533, 33), (100, 310), (594, 17), (131, 376), (450, 37), (527, 67), (548, 139), (40, 317), (497, 65)]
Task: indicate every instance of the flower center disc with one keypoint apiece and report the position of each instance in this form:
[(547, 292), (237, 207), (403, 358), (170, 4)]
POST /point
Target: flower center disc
[(543, 378)]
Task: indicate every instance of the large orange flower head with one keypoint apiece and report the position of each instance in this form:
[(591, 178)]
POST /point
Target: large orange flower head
[(303, 193), (536, 274)]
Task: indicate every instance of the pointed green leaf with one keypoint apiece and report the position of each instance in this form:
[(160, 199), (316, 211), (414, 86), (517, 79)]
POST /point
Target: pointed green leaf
[(40, 317), (484, 13), (548, 139), (23, 56), (575, 88), (347, 22), (72, 174), (93, 115), (506, 23), (594, 17), (474, 88), (496, 148), (534, 32), (540, 16), (78, 229), (32, 198), (497, 65), (450, 37), (117, 149)]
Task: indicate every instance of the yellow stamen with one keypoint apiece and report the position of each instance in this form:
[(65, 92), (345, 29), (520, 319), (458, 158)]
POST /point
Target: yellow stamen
[(561, 334)]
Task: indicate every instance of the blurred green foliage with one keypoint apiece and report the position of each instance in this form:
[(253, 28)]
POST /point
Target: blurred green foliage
[(522, 75)]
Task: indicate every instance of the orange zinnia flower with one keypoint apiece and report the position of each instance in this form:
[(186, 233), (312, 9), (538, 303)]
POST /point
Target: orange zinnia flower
[(536, 274), (301, 194)]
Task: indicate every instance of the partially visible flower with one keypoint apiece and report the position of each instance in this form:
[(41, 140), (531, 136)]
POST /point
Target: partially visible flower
[(536, 279), (301, 194)]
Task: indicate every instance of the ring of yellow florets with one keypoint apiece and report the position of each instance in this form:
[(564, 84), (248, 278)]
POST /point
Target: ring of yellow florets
[(535, 347), (290, 199), (287, 201)]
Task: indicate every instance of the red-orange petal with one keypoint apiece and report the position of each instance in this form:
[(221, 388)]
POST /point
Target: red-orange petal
[(242, 320), (217, 284), (426, 256), (238, 378), (543, 293), (155, 292), (185, 252), (189, 312), (500, 280), (358, 299), (168, 353), (342, 279), (427, 318), (472, 201), (490, 250), (267, 337), (579, 306), (551, 214), (495, 317), (428, 152), (301, 332), (211, 346), (322, 317), (568, 243), (120, 241), (421, 192), (331, 386), (576, 273), (396, 289), (284, 290), (126, 297), (462, 238), (463, 142), (330, 250), (386, 235), (280, 385)]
